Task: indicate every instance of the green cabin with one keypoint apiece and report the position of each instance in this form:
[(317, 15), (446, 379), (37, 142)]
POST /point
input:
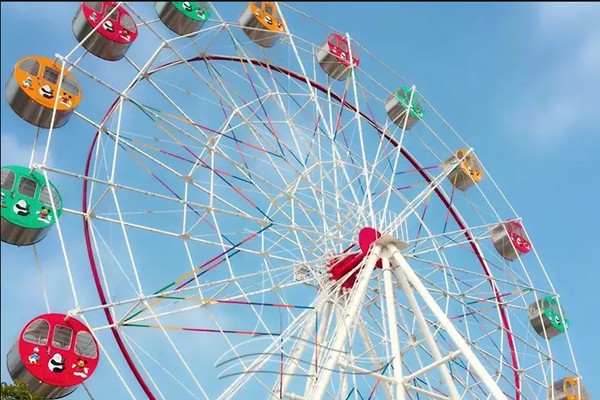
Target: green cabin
[(27, 209)]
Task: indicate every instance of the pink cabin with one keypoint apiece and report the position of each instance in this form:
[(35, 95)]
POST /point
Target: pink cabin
[(116, 29), (510, 240), (334, 57), (53, 355)]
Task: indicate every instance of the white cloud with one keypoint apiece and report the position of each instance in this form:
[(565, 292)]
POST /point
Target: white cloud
[(16, 150), (562, 98), (13, 152), (561, 17)]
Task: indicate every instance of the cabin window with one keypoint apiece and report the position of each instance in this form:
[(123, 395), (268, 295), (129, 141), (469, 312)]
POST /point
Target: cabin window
[(547, 305), (258, 4), (94, 6), (8, 179), (517, 230), (31, 66), (62, 337), (45, 197), (269, 9), (128, 23), (27, 187), (114, 16), (70, 86), (85, 345), (50, 75), (343, 45), (37, 332), (333, 40)]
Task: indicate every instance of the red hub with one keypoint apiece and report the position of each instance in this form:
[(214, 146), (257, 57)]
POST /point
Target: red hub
[(340, 266)]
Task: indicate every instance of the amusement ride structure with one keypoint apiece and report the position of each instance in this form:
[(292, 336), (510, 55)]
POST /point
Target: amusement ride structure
[(268, 212)]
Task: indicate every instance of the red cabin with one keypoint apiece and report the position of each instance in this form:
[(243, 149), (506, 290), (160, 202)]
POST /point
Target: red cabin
[(510, 240), (54, 354), (116, 29), (334, 56)]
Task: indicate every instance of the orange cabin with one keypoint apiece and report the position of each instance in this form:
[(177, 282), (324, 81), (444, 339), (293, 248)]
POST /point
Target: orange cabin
[(260, 22), (33, 91)]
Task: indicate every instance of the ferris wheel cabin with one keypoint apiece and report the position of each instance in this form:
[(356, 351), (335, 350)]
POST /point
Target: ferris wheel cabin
[(27, 212), (396, 106), (547, 318), (183, 17), (569, 388), (260, 22), (32, 92), (466, 173), (334, 57), (510, 240), (54, 354), (111, 30)]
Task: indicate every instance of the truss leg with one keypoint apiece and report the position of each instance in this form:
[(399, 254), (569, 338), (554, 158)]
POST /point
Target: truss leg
[(341, 334), (400, 392), (445, 322)]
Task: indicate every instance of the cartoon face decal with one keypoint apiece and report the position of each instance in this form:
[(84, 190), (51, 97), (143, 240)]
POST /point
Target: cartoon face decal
[(66, 99), (108, 25), (200, 13), (80, 368), (21, 208), (3, 201), (47, 91), (44, 215), (125, 35), (280, 26), (56, 363), (187, 6), (93, 17), (28, 83), (34, 358)]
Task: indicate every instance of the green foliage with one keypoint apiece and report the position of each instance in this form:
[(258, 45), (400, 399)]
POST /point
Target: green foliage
[(17, 392)]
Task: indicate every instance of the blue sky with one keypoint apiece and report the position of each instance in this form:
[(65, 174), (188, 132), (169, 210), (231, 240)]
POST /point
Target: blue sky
[(518, 81)]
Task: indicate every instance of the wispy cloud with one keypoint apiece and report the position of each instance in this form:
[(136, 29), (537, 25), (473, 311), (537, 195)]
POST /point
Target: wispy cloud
[(562, 97), (13, 151)]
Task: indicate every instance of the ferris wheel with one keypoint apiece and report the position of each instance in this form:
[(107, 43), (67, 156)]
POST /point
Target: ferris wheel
[(268, 211)]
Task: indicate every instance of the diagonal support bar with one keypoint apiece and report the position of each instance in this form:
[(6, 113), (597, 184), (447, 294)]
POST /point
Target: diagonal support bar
[(429, 339)]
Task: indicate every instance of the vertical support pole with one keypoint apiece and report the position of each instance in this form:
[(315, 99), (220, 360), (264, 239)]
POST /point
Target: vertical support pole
[(319, 346), (298, 350), (341, 334), (429, 339), (445, 322), (388, 285), (373, 354)]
